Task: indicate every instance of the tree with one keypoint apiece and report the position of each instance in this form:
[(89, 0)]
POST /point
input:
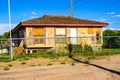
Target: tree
[(113, 41), (5, 35), (3, 40)]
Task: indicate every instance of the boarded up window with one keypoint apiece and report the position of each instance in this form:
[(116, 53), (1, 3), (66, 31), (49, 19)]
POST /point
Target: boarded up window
[(60, 35), (39, 35), (38, 31), (90, 31)]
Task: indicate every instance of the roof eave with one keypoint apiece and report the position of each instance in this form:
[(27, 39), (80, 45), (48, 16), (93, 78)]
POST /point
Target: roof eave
[(68, 25), (17, 27), (59, 25)]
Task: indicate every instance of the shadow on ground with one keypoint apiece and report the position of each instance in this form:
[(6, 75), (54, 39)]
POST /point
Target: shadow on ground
[(103, 68)]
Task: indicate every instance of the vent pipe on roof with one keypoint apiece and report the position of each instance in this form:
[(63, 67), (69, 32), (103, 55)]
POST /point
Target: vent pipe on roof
[(71, 7)]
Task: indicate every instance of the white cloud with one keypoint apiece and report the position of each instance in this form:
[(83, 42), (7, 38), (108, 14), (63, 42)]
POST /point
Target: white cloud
[(103, 19), (33, 17), (117, 15), (111, 13), (104, 28), (112, 28), (33, 13), (5, 27), (109, 23), (24, 14)]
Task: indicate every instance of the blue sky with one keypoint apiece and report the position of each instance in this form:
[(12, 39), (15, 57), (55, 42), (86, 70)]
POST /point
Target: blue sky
[(100, 10)]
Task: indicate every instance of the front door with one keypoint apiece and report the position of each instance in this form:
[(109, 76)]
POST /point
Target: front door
[(73, 35)]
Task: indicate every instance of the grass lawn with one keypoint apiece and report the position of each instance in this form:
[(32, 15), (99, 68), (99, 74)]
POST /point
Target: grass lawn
[(53, 55), (4, 58)]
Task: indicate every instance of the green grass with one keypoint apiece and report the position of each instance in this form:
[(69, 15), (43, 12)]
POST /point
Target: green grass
[(4, 58), (39, 64), (90, 55), (62, 63), (10, 65), (6, 68), (32, 65), (73, 64), (52, 55), (103, 52), (23, 63), (49, 64), (107, 52), (42, 54)]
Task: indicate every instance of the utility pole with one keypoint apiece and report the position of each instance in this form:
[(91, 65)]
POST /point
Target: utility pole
[(71, 7), (10, 43)]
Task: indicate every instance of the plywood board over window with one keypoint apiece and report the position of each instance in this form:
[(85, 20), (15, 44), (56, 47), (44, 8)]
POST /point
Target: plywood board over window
[(39, 35), (90, 31), (60, 35)]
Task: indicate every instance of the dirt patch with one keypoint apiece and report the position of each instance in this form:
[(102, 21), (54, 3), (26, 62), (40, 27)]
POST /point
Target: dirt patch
[(106, 68)]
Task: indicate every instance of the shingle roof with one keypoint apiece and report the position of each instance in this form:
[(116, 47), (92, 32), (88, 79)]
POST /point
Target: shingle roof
[(51, 19), (59, 21)]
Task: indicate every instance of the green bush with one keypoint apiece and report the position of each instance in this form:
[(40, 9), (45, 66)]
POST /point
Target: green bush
[(73, 64), (74, 48), (23, 63), (10, 65), (49, 64), (39, 64), (32, 65), (6, 68), (88, 48), (80, 50), (62, 63)]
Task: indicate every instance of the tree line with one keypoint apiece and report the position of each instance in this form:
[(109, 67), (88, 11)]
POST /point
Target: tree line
[(111, 39)]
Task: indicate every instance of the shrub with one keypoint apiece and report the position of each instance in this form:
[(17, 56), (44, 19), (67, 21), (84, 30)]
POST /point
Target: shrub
[(6, 68), (10, 65), (32, 65), (73, 64), (74, 48), (39, 64), (88, 48), (23, 63), (62, 63), (49, 64)]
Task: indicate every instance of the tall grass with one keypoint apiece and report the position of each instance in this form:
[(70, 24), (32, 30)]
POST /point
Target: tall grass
[(4, 57), (42, 54), (88, 53), (106, 52)]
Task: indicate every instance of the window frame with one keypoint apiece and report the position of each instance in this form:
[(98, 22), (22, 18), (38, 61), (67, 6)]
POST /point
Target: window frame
[(57, 37), (37, 37)]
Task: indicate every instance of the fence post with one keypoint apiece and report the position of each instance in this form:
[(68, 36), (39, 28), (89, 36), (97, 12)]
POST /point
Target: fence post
[(55, 44), (1, 46), (94, 46)]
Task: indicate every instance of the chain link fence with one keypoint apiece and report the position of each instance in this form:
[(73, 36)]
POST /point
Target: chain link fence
[(78, 47)]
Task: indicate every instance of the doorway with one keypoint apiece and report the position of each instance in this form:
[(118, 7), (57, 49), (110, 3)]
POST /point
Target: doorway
[(73, 35)]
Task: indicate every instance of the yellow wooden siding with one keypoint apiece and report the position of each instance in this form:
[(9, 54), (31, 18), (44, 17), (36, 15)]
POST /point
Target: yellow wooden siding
[(50, 33)]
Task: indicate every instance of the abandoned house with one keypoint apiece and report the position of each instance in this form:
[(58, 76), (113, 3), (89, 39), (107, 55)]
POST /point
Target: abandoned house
[(50, 31)]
